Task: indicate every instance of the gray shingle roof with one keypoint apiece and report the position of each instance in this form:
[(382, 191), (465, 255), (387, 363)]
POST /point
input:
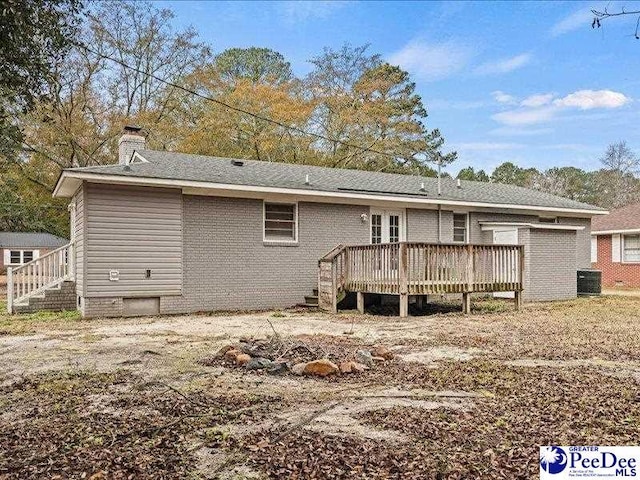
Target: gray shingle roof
[(31, 239), (180, 166)]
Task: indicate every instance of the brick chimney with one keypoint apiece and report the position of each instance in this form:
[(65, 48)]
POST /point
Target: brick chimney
[(130, 141)]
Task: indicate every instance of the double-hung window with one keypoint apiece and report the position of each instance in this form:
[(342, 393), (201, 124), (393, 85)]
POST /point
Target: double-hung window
[(280, 222), (20, 257), (631, 248), (460, 221)]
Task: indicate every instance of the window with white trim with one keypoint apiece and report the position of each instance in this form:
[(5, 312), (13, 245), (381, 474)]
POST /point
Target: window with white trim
[(20, 257), (460, 227), (548, 220), (631, 248), (280, 222)]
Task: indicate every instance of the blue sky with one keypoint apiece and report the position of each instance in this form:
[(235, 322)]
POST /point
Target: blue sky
[(525, 82)]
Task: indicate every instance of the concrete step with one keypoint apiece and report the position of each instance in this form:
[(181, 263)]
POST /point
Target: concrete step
[(311, 299), (311, 306)]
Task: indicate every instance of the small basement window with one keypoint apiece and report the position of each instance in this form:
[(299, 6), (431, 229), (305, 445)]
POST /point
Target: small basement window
[(460, 227), (280, 222), (547, 219), (631, 249)]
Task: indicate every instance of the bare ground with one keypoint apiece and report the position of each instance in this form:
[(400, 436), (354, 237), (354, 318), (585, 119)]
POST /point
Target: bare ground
[(465, 396)]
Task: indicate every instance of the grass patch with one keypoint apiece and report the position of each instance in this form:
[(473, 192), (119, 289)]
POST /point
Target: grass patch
[(26, 323)]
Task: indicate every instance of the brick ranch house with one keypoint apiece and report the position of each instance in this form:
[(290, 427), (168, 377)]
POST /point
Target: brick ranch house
[(18, 248), (615, 247), (165, 232)]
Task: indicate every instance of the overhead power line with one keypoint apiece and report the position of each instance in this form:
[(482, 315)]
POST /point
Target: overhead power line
[(234, 108)]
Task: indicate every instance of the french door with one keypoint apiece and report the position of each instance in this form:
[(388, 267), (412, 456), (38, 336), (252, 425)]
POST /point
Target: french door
[(387, 226)]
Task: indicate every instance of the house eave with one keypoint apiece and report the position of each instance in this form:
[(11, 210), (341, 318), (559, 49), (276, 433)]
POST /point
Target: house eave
[(70, 180), (613, 232)]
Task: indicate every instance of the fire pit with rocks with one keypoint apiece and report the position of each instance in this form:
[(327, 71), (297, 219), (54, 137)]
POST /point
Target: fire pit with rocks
[(278, 356)]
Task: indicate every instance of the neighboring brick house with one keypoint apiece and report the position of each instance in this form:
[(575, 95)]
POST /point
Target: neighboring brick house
[(18, 248), (167, 232), (615, 246)]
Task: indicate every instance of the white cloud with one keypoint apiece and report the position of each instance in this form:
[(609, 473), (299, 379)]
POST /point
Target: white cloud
[(525, 116), (432, 61), (543, 108), (504, 65), (537, 100), (588, 99), (501, 97), (581, 18), (520, 131)]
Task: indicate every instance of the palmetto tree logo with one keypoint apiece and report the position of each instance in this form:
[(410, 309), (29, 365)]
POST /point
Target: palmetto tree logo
[(552, 459)]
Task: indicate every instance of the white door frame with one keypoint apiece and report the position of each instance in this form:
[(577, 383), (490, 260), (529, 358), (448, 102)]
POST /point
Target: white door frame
[(386, 214)]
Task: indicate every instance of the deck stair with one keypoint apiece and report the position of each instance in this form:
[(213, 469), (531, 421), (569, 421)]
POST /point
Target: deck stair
[(45, 283)]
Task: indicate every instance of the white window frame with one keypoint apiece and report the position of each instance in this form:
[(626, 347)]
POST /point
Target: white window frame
[(264, 223), (466, 228), (624, 248), (7, 256)]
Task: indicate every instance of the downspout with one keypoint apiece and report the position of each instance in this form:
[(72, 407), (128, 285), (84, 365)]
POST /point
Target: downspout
[(439, 223)]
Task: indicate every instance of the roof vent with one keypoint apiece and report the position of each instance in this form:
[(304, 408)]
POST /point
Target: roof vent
[(422, 189), (237, 163), (306, 180), (458, 184)]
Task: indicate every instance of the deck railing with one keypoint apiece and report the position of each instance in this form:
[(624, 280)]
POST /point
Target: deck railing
[(410, 268), (39, 274)]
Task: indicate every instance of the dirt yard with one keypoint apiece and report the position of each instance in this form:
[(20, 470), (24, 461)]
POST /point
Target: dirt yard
[(463, 396)]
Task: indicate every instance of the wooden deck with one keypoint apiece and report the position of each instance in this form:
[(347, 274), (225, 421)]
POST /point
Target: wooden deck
[(418, 269)]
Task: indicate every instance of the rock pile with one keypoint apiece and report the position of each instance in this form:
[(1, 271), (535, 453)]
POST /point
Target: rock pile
[(277, 356)]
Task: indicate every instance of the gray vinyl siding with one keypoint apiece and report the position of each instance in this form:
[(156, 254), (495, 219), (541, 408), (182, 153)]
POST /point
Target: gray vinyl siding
[(79, 246), (132, 229), (228, 266)]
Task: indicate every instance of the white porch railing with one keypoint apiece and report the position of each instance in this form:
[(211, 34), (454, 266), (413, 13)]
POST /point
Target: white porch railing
[(37, 275)]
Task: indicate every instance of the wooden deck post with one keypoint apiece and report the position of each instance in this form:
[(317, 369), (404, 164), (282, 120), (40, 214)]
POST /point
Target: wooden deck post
[(334, 289), (517, 298), (466, 303), (360, 301), (403, 278), (9, 290), (420, 302)]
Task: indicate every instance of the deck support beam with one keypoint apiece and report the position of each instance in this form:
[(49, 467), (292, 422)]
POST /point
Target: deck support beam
[(466, 303), (517, 299), (420, 302), (360, 301), (404, 305)]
